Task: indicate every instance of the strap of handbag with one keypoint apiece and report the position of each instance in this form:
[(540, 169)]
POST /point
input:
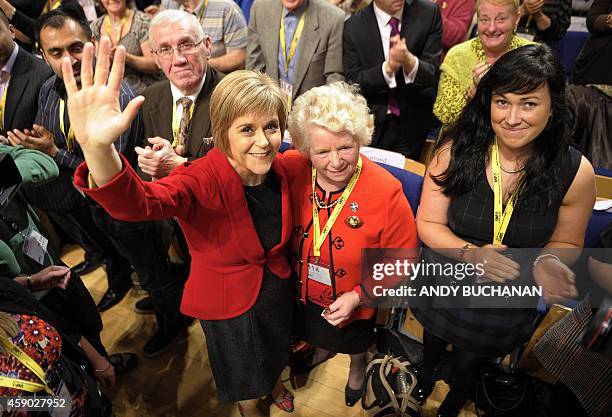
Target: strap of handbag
[(400, 401)]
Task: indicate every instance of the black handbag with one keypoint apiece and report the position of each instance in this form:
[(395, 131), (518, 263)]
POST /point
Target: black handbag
[(507, 393)]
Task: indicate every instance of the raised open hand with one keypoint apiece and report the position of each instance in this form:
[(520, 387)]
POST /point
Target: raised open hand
[(95, 113)]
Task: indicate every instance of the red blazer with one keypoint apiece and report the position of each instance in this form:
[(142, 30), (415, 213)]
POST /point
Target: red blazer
[(388, 222), (207, 197)]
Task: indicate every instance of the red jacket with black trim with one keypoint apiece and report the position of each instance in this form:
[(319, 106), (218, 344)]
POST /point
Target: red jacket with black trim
[(207, 197), (386, 222)]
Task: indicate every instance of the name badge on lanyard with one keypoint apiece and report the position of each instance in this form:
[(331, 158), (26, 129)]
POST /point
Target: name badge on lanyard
[(288, 90), (319, 272), (35, 246)]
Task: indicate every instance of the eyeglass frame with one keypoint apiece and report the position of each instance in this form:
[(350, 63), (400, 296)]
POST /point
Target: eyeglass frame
[(177, 49)]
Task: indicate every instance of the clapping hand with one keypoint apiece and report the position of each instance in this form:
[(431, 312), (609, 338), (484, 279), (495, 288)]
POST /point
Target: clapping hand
[(497, 267), (556, 279), (478, 72), (534, 7), (158, 160), (37, 138)]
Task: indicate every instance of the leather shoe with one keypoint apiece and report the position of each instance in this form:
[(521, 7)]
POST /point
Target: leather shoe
[(111, 297), (123, 362), (144, 306), (351, 396), (161, 341), (86, 266)]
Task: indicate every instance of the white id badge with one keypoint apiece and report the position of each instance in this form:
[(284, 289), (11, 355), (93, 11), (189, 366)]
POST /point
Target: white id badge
[(288, 90), (528, 36), (35, 246), (319, 273)]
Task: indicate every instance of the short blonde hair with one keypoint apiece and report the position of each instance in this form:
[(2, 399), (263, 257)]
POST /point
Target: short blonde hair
[(337, 107), (513, 3), (244, 92)]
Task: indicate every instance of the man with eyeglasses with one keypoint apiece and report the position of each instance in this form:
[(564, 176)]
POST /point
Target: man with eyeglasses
[(143, 245), (175, 111)]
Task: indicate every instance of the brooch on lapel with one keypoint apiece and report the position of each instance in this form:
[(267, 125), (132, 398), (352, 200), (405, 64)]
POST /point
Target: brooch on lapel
[(354, 207), (353, 222)]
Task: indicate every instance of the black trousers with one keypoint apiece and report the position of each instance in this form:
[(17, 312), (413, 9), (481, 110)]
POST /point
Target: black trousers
[(465, 371), (145, 245), (391, 136), (79, 224)]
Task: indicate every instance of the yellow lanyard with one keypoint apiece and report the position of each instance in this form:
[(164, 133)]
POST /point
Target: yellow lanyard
[(3, 102), (320, 235), (29, 363), (70, 135), (501, 218), (294, 42), (121, 23), (51, 6), (176, 122), (201, 12)]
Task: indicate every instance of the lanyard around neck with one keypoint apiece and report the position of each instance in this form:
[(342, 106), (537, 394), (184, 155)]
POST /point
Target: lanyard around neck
[(202, 9), (294, 42), (3, 102), (121, 25), (320, 235), (50, 5), (29, 363), (501, 217), (69, 135)]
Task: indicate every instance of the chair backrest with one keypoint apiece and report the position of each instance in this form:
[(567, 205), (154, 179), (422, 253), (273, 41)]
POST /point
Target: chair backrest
[(383, 156), (411, 183), (285, 146)]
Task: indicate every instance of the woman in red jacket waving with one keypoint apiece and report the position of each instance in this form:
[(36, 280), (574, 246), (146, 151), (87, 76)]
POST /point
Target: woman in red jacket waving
[(233, 206)]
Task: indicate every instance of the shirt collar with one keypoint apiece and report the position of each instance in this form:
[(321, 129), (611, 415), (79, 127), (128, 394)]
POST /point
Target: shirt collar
[(196, 11), (297, 12), (176, 93), (8, 67), (384, 17)]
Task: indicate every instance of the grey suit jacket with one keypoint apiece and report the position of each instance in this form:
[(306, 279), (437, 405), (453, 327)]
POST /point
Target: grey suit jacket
[(157, 114), (320, 52)]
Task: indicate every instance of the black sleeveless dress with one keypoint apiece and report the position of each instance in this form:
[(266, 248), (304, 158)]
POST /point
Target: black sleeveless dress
[(248, 353), (496, 332)]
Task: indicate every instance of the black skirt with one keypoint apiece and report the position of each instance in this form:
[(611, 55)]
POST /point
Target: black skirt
[(248, 353), (354, 338)]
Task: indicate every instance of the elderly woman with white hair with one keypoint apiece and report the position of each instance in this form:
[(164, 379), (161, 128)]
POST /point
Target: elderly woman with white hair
[(342, 202)]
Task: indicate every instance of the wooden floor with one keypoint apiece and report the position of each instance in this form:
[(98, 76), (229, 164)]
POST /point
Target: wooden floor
[(180, 383)]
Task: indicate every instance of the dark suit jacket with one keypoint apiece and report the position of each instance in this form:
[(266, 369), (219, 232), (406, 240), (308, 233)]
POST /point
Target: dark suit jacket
[(28, 75), (364, 55), (207, 197), (157, 114)]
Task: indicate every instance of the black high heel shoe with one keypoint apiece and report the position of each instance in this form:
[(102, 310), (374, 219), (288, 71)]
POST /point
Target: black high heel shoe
[(351, 396)]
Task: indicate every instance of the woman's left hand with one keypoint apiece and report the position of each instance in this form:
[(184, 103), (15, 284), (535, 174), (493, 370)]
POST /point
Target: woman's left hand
[(556, 279), (342, 309)]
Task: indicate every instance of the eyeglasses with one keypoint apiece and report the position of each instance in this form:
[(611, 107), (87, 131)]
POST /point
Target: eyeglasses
[(186, 48)]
